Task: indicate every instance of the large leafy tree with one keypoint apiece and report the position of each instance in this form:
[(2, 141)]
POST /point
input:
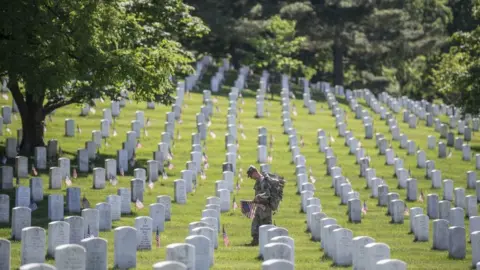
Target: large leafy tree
[(457, 76), (275, 44), (62, 52), (371, 42)]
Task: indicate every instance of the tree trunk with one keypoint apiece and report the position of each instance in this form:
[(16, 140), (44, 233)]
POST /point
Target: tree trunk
[(338, 51), (32, 112), (32, 130)]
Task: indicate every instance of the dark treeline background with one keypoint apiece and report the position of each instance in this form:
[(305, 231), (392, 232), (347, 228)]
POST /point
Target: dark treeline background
[(420, 48)]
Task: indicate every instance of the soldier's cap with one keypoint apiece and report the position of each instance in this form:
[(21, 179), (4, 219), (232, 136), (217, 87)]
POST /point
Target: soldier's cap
[(250, 170)]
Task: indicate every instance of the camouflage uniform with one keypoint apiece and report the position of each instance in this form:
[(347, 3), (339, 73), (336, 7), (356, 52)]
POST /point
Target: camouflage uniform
[(263, 214)]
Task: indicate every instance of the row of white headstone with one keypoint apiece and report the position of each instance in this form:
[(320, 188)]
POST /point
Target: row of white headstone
[(419, 222)]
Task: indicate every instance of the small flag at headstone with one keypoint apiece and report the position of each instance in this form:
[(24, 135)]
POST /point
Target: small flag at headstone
[(102, 100), (157, 237), (270, 159), (113, 180), (421, 197), (34, 171), (226, 241), (115, 132), (170, 166), (217, 109), (74, 174), (243, 135), (5, 96), (213, 135), (85, 202), (139, 145), (302, 143), (332, 139), (364, 208), (150, 185), (235, 205), (33, 206), (206, 166), (145, 131), (209, 123), (139, 204), (8, 130), (79, 130), (165, 175), (68, 181), (406, 212), (148, 122), (122, 173), (203, 175), (237, 187)]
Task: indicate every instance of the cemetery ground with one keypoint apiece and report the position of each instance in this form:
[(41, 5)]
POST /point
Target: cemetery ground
[(308, 255)]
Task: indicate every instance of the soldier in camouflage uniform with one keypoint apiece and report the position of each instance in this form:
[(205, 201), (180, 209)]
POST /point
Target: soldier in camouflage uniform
[(263, 213)]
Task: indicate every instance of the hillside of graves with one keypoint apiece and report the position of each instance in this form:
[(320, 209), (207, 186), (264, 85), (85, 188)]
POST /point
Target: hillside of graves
[(374, 182)]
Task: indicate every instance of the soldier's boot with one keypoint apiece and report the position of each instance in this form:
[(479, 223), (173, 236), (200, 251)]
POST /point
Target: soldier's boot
[(254, 241)]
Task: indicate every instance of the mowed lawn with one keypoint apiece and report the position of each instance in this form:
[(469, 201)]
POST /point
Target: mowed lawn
[(238, 256)]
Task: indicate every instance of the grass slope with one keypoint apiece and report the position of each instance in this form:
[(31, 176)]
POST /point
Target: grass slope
[(237, 256)]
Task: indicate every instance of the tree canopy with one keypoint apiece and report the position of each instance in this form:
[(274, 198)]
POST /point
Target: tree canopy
[(62, 52)]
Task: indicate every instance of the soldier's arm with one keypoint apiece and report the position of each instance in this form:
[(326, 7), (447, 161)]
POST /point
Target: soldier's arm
[(264, 196)]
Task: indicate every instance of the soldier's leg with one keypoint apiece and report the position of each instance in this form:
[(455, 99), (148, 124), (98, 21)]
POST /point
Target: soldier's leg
[(255, 226)]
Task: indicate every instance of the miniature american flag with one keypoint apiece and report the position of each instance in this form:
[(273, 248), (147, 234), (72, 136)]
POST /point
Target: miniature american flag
[(165, 175), (113, 181), (122, 173), (79, 129), (139, 145), (332, 139), (157, 237), (68, 182), (74, 174), (33, 206), (85, 202), (226, 241), (248, 209), (139, 204), (364, 208), (115, 132), (150, 185), (421, 197), (244, 136), (34, 171), (235, 205), (213, 135), (238, 186), (406, 212)]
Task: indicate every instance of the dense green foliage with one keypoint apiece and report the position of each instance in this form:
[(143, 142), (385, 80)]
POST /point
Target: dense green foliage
[(458, 73), (57, 53)]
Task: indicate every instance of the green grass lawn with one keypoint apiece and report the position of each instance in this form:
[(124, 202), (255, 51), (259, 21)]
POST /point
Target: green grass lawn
[(237, 256)]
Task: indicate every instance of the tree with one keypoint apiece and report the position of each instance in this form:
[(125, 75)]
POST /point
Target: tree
[(275, 44), (57, 53), (457, 76), (369, 39)]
